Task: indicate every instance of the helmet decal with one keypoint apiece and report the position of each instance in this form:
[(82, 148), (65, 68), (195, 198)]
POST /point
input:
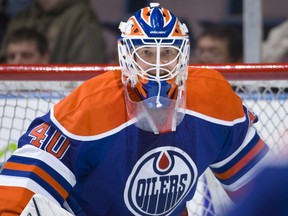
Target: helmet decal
[(148, 13), (154, 22)]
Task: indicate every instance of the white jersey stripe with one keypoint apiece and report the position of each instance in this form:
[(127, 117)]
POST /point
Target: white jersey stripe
[(16, 181), (249, 136), (93, 137), (33, 152), (249, 175), (215, 120)]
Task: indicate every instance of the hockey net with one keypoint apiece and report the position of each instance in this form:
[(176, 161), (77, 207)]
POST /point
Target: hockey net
[(29, 91)]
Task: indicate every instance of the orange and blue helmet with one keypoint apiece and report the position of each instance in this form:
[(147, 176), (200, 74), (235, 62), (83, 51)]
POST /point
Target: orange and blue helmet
[(153, 51), (154, 21)]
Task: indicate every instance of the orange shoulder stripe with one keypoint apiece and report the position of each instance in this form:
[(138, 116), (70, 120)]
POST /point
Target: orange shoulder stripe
[(41, 173), (242, 163)]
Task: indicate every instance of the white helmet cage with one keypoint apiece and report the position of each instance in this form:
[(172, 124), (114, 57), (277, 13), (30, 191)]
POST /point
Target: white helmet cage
[(154, 27)]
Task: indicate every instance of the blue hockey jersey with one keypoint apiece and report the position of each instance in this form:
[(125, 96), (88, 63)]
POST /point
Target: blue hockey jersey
[(88, 156)]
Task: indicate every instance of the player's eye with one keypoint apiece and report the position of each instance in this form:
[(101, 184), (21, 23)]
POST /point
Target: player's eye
[(168, 54), (145, 52)]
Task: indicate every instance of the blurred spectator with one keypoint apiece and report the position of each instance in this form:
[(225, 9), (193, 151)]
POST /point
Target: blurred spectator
[(218, 45), (13, 7), (275, 47), (70, 26), (26, 46)]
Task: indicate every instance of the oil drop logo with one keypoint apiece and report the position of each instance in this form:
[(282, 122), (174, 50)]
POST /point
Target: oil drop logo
[(159, 181)]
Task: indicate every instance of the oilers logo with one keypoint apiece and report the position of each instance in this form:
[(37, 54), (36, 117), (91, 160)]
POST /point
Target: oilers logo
[(159, 181)]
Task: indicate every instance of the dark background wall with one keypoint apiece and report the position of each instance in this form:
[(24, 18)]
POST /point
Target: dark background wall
[(195, 13)]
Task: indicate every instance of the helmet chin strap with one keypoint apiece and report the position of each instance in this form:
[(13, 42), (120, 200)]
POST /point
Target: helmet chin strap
[(158, 103), (158, 60)]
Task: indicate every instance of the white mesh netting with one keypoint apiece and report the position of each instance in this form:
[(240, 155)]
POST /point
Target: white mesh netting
[(21, 100)]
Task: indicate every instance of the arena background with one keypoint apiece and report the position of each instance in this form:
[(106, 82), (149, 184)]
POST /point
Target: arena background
[(198, 13)]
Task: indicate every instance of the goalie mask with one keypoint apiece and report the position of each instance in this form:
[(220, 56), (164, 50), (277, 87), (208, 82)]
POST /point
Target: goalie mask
[(154, 54)]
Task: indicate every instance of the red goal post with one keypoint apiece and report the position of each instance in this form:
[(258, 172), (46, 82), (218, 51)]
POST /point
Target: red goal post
[(27, 91), (72, 72)]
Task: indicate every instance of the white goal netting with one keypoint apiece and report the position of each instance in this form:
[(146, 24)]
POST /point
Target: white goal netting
[(30, 92)]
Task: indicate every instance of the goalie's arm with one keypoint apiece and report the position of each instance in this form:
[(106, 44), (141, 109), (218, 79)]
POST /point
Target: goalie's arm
[(245, 155), (27, 172)]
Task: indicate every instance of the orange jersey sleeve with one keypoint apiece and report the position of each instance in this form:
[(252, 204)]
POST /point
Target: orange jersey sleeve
[(208, 92), (93, 95)]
